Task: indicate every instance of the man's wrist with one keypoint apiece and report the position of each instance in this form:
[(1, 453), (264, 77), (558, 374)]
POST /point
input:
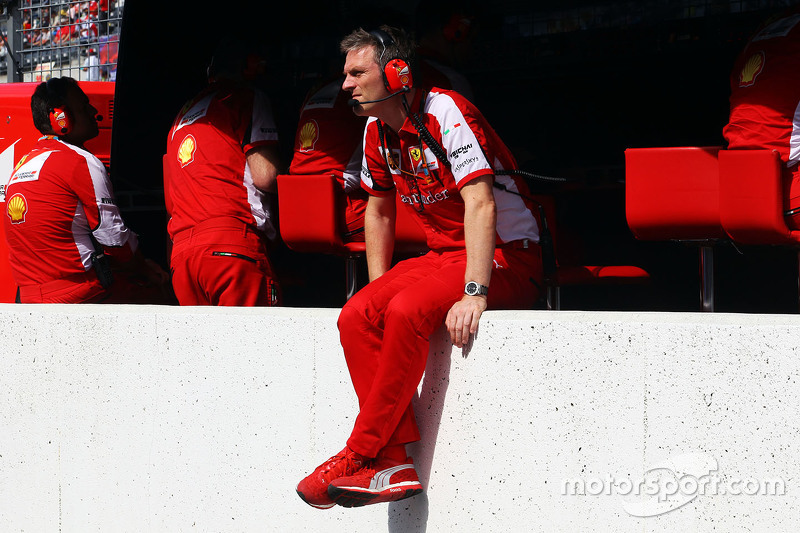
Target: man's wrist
[(473, 288)]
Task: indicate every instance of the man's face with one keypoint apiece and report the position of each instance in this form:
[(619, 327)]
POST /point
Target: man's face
[(84, 115), (364, 80)]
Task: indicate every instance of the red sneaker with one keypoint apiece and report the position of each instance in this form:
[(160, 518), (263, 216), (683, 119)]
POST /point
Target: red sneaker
[(382, 480), (314, 488)]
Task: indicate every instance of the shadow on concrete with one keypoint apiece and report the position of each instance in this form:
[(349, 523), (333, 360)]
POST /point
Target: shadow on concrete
[(412, 514)]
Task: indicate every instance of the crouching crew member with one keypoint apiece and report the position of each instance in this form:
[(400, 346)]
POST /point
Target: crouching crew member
[(66, 238)]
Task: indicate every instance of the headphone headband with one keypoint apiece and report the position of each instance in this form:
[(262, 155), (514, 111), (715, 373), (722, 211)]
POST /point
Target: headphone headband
[(396, 71), (384, 39)]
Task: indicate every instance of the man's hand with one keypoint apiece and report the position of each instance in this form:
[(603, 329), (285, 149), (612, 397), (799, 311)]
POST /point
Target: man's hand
[(462, 319)]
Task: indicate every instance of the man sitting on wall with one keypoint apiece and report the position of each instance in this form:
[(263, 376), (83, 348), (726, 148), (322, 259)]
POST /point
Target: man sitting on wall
[(67, 240), (435, 150)]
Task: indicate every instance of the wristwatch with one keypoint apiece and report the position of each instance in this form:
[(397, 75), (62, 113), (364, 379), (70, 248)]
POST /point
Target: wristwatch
[(473, 288)]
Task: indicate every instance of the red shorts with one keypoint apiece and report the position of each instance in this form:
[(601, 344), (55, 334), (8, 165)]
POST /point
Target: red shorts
[(222, 261)]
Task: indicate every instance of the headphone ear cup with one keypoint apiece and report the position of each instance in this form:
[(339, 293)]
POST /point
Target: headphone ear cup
[(397, 76), (60, 121)]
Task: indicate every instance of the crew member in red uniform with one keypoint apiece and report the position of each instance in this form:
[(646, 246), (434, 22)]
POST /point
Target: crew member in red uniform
[(220, 168), (328, 141), (765, 101), (63, 229), (436, 151), (329, 135)]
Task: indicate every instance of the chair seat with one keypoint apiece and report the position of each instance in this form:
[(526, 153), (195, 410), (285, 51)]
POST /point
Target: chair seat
[(309, 222), (600, 275), (672, 193), (751, 198)]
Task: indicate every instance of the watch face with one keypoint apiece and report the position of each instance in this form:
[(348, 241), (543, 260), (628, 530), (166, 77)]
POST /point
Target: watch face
[(471, 288)]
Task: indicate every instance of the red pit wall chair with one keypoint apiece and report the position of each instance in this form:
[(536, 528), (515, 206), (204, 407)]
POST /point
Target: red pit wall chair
[(751, 198), (560, 274), (310, 222), (673, 194)]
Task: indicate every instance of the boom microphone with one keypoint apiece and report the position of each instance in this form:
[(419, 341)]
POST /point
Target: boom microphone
[(353, 102)]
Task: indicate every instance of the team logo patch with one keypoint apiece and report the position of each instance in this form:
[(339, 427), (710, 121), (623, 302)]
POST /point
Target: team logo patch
[(752, 68), (61, 119), (423, 162), (21, 162), (28, 169), (186, 151), (402, 73), (392, 159), (16, 207), (309, 134)]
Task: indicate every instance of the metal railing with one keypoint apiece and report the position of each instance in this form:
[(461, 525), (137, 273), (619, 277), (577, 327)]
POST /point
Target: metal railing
[(53, 38)]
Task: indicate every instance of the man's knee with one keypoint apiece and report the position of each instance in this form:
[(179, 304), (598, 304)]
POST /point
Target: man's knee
[(349, 317)]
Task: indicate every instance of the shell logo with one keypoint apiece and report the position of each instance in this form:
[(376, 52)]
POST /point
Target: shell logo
[(61, 119), (186, 151), (309, 134), (403, 73), (16, 207), (752, 68)]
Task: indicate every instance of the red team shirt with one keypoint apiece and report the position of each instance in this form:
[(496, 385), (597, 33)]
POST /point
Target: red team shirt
[(328, 141), (765, 97), (473, 150), (56, 198), (210, 177), (329, 137)]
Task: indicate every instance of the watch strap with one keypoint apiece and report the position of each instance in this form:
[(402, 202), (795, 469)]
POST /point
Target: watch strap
[(471, 286)]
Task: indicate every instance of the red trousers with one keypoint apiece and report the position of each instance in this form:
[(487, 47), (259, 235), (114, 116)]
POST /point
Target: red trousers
[(385, 330), (73, 289), (222, 261), (85, 288)]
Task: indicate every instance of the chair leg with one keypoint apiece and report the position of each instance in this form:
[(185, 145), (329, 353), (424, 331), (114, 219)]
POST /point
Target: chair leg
[(798, 280), (553, 298), (351, 275), (707, 278)]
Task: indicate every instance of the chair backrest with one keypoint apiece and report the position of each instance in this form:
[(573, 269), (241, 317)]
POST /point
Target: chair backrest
[(673, 193), (310, 221), (752, 197), (307, 215)]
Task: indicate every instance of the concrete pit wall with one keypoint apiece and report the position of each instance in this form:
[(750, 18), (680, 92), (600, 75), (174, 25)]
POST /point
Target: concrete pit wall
[(126, 418)]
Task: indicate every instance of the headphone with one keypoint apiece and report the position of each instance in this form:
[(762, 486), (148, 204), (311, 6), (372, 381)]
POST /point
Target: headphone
[(397, 72), (60, 117)]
